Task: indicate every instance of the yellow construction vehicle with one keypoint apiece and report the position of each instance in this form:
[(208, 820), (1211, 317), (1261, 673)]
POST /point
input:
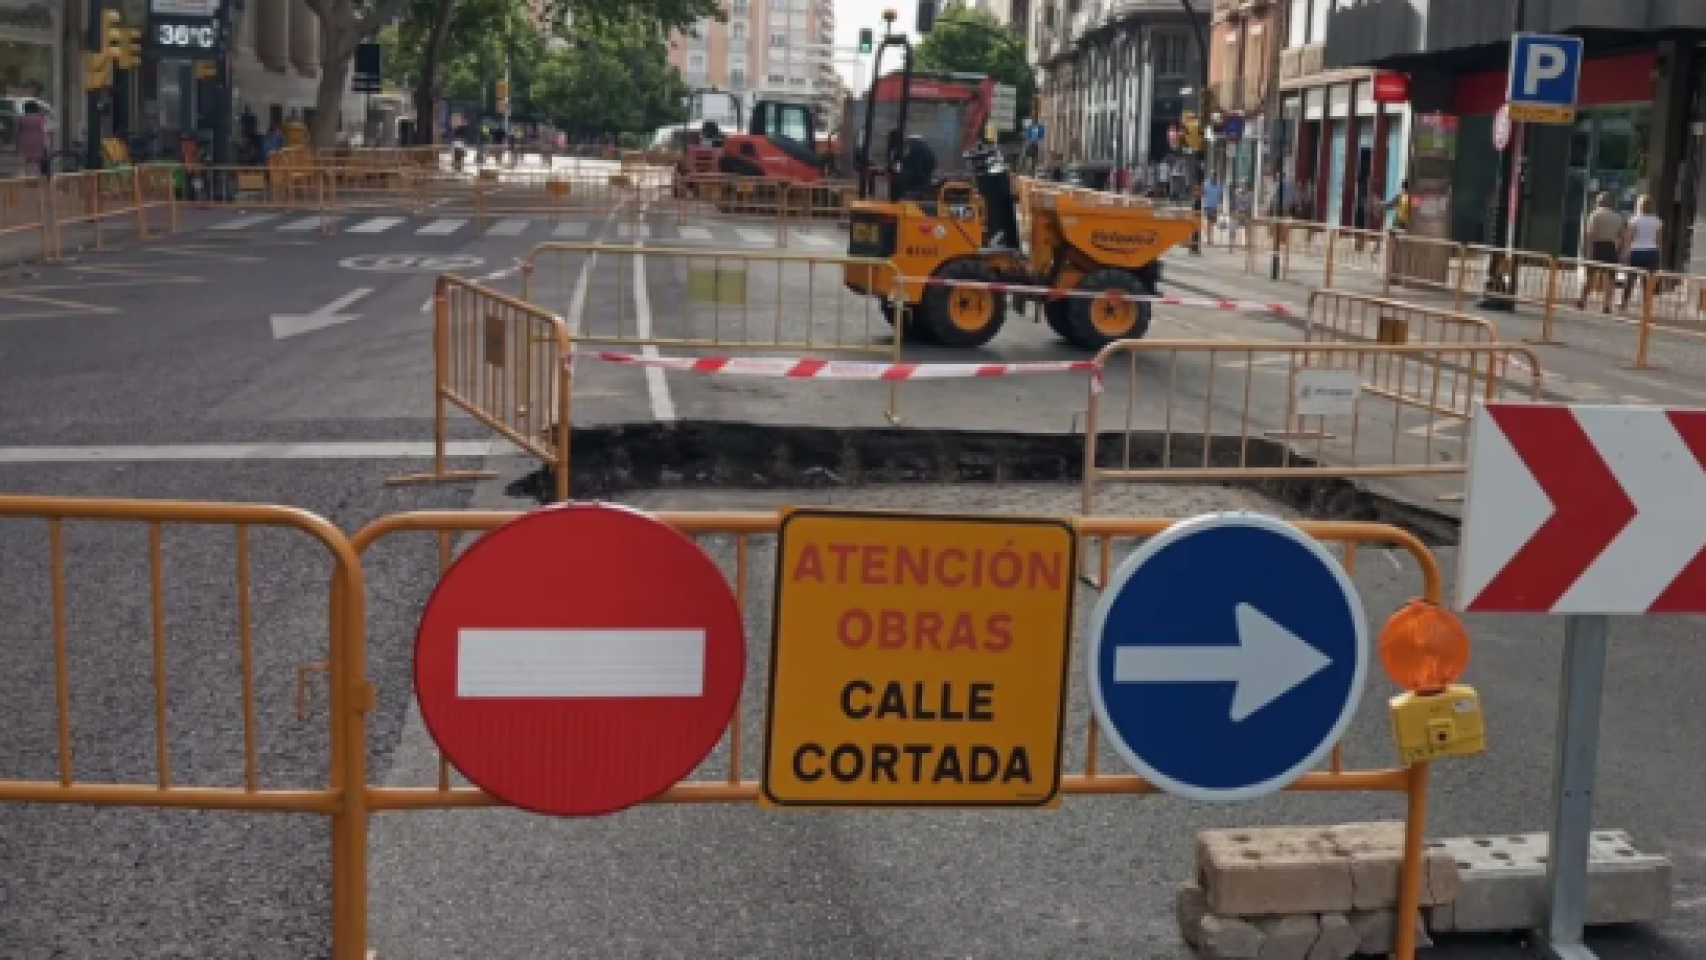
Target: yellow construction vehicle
[(970, 232)]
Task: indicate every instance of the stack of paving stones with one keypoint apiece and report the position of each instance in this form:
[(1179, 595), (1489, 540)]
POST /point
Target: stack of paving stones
[(1330, 893), (1304, 893)]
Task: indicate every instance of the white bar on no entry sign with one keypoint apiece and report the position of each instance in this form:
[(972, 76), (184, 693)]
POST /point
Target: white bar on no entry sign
[(580, 663)]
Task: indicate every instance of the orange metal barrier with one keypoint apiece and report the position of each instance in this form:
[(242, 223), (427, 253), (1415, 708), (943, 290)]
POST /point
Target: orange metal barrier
[(24, 208), (92, 199), (1262, 410), (349, 800), (1338, 316), (504, 363), (340, 799)]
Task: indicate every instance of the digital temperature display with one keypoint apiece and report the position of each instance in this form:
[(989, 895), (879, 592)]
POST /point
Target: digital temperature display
[(195, 38)]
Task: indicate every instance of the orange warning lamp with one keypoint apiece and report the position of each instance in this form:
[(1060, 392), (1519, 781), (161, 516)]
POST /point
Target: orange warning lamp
[(1424, 647)]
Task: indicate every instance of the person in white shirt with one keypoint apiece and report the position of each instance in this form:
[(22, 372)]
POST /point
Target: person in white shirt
[(1643, 238)]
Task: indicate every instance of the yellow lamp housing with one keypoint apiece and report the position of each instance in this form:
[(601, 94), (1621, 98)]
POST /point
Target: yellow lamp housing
[(1445, 724)]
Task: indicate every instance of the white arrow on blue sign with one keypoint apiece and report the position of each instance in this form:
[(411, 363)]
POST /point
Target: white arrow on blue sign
[(1227, 656)]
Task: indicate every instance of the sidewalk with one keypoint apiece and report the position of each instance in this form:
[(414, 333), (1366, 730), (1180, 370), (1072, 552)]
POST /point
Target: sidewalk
[(1590, 366)]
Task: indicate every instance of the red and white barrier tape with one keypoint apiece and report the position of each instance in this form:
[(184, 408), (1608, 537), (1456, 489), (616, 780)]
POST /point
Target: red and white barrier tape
[(793, 368), (1208, 303)]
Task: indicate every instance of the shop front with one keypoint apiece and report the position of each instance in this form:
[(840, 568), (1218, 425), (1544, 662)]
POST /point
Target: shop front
[(29, 65), (1347, 156)]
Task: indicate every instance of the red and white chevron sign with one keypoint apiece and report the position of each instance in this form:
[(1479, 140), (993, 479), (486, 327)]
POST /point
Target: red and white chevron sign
[(1585, 510)]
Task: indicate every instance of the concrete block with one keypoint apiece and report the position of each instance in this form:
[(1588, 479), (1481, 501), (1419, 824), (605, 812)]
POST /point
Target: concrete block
[(1337, 940), (1191, 906), (1288, 938), (1297, 870), (1224, 938), (1503, 883), (1377, 931)]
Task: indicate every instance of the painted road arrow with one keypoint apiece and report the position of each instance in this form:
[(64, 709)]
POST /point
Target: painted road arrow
[(1266, 664), (1585, 510), (291, 325)]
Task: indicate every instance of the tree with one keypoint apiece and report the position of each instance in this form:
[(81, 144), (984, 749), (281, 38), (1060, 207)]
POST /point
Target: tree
[(609, 78), (459, 48), (972, 41), (344, 25)]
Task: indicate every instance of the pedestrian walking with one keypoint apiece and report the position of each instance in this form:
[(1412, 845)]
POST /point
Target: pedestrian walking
[(1642, 241), (1601, 246), (32, 139)]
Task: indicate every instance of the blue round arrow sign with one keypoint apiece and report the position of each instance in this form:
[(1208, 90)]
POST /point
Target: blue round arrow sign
[(1227, 656)]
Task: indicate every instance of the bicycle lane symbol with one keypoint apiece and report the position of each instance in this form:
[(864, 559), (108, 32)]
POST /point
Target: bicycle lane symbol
[(411, 262)]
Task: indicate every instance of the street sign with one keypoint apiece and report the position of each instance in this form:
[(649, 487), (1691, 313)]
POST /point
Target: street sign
[(1232, 128), (1004, 107), (919, 660), (1502, 127), (579, 660), (1585, 510), (1226, 656), (1543, 75)]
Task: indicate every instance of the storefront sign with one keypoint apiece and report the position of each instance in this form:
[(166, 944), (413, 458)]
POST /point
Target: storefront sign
[(33, 16), (919, 660), (184, 8), (1391, 88)]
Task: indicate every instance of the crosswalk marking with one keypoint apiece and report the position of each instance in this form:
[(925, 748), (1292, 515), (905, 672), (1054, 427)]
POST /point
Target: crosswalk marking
[(753, 235), (305, 224), (633, 231), (815, 239), (376, 225), (572, 230), (695, 233), (244, 223), (441, 228), (507, 228)]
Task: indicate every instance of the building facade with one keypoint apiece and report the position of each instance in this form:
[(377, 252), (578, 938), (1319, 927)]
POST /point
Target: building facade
[(1343, 151), (1114, 76), (768, 49), (1243, 60), (1640, 125), (275, 70)]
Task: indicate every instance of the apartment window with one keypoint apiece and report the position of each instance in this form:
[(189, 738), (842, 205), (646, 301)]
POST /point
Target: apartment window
[(738, 8), (776, 78), (737, 77), (1171, 53), (778, 4), (1297, 30), (778, 40), (737, 30), (1318, 21), (696, 63)]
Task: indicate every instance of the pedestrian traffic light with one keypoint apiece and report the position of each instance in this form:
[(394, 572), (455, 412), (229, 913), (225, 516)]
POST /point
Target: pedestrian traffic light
[(865, 40)]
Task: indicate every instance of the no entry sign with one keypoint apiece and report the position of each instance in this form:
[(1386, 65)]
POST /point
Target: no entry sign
[(579, 660), (918, 660)]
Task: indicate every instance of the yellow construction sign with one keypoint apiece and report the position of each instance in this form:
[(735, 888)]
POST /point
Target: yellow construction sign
[(919, 660)]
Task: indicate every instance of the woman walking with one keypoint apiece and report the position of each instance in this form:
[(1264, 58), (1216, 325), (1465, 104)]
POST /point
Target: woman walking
[(1642, 241)]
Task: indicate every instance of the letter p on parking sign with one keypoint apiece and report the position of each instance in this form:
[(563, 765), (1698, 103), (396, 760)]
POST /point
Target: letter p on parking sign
[(1544, 73)]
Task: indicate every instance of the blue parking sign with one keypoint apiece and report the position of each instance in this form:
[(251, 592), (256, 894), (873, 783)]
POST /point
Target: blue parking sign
[(1545, 72)]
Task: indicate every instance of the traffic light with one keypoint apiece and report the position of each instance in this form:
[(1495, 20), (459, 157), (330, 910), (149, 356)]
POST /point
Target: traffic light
[(926, 15), (1192, 132), (865, 40), (503, 89)]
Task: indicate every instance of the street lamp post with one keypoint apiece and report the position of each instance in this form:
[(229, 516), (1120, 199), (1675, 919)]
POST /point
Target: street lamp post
[(1202, 118), (1500, 292)]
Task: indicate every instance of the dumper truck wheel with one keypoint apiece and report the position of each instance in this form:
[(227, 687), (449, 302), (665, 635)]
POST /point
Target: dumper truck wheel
[(963, 316), (1058, 313), (1095, 322)]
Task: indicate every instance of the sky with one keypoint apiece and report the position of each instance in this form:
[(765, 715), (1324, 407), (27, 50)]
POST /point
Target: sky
[(850, 15)]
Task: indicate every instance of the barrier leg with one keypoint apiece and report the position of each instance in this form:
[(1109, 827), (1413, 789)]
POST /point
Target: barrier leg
[(1644, 333), (1551, 309), (1409, 916), (440, 357), (141, 209)]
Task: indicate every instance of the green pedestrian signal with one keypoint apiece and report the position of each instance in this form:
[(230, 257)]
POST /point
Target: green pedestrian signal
[(865, 40)]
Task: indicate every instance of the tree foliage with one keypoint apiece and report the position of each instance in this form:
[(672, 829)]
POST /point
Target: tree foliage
[(611, 78), (972, 41), (344, 25)]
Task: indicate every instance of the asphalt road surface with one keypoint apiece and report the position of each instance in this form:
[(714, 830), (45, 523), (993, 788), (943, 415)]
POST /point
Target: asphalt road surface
[(159, 371)]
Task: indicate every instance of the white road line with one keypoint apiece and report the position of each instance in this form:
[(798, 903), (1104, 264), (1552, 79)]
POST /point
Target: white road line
[(633, 231), (244, 223), (690, 232), (441, 228), (376, 225), (327, 450), (815, 239), (507, 228), (572, 230), (505, 663), (306, 224), (754, 235), (657, 388)]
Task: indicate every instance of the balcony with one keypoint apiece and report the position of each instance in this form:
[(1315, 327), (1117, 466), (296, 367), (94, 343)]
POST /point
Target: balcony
[(1299, 62)]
